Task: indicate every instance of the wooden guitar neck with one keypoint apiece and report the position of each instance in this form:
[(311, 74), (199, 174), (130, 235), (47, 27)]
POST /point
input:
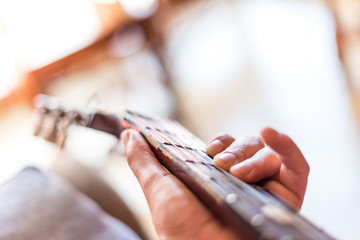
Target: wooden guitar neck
[(250, 210)]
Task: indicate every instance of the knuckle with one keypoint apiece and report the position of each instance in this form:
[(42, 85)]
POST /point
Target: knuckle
[(245, 146), (239, 153), (237, 148)]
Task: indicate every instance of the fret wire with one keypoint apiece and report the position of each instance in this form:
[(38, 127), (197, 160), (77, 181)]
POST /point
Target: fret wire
[(230, 178), (151, 125), (182, 154), (196, 165), (167, 141), (190, 155), (202, 153), (199, 166), (200, 146), (189, 135), (193, 153), (198, 151), (183, 148), (141, 121), (158, 136), (159, 130)]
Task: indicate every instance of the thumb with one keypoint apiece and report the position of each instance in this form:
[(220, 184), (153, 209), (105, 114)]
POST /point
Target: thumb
[(142, 161)]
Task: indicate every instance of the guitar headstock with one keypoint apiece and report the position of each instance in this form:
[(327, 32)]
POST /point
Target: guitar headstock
[(53, 121)]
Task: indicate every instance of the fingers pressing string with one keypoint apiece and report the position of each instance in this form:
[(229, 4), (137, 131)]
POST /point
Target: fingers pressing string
[(240, 150), (265, 163), (219, 144)]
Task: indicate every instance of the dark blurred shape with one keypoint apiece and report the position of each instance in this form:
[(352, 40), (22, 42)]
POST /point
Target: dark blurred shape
[(36, 205), (106, 123), (53, 121)]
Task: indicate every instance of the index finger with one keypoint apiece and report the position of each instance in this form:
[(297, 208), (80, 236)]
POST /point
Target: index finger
[(219, 143)]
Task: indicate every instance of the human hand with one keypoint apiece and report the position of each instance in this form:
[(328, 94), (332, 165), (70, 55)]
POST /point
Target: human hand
[(176, 212), (272, 160)]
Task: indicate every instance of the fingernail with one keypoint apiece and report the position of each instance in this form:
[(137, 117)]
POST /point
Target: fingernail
[(125, 136), (215, 146), (226, 158)]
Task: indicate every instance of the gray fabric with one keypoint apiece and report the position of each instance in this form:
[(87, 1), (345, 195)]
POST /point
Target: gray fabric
[(37, 206)]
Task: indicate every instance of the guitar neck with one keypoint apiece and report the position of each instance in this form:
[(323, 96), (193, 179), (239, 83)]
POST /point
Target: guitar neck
[(248, 209)]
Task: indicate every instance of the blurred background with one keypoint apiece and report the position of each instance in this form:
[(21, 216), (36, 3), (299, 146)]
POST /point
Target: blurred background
[(215, 66)]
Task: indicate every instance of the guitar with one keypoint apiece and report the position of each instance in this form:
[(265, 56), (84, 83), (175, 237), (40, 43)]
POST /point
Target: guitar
[(249, 209)]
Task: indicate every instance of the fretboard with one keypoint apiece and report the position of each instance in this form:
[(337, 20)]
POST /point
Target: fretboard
[(250, 210)]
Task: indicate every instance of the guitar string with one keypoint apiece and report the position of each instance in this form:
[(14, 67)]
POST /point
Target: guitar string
[(244, 188), (189, 155), (183, 148), (179, 131)]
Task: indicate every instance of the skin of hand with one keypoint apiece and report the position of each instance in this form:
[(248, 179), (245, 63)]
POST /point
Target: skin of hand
[(176, 212), (272, 160)]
